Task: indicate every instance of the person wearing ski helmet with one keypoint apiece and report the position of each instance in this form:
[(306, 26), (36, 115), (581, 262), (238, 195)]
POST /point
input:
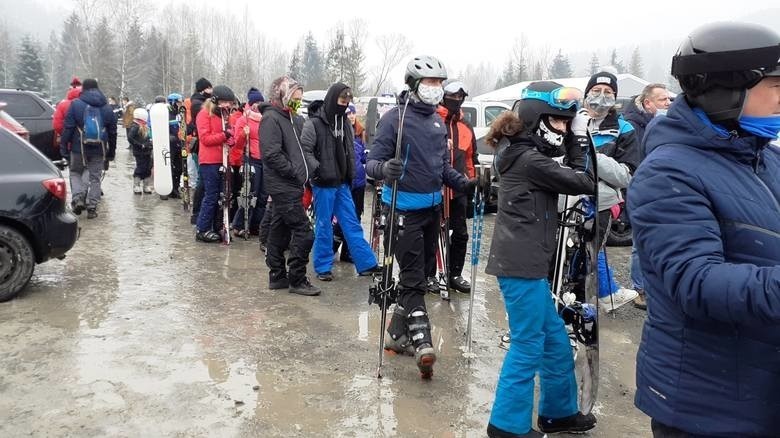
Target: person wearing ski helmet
[(705, 212), (547, 126), (285, 172), (175, 101), (140, 139), (213, 138), (463, 154), (618, 156), (420, 173), (203, 90)]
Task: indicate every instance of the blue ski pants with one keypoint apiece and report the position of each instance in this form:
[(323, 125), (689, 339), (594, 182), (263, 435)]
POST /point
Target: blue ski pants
[(539, 344), (211, 179), (337, 201), (607, 284)]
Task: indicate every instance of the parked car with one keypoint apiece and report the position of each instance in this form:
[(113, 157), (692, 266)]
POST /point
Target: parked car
[(35, 114), (35, 224), (11, 124)]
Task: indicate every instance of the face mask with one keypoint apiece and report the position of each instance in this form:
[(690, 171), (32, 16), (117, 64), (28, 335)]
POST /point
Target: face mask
[(294, 105), (600, 103), (660, 112), (452, 105), (429, 94), (551, 138), (765, 127)]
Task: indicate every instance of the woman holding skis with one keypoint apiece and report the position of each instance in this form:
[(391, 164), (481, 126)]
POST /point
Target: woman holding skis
[(546, 126)]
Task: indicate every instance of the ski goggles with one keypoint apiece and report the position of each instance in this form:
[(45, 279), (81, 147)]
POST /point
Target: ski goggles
[(563, 98)]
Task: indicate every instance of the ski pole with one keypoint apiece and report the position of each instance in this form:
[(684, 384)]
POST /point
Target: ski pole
[(476, 240), (247, 194)]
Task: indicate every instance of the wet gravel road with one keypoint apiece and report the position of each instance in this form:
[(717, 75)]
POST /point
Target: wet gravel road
[(141, 331)]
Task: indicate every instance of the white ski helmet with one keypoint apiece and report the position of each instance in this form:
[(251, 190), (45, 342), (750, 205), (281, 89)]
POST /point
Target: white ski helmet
[(140, 113), (423, 66)]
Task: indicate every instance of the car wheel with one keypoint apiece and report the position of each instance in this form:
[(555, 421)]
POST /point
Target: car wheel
[(620, 232), (17, 261)]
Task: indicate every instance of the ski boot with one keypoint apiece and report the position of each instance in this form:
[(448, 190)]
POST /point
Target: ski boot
[(576, 423), (137, 185), (397, 339), (420, 335), (148, 185), (494, 432)]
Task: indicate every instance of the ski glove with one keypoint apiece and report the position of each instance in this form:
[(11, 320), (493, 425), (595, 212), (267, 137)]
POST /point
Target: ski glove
[(392, 169), (471, 185), (580, 123)]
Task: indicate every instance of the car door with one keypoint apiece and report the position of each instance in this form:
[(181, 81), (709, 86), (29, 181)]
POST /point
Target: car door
[(36, 116)]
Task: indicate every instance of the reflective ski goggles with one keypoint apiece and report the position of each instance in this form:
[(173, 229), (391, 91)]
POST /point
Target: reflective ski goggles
[(563, 98)]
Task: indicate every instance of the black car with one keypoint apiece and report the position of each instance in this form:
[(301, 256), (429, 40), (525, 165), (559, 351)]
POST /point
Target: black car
[(35, 114), (35, 224)]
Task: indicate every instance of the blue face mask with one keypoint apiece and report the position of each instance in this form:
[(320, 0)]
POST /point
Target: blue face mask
[(766, 127)]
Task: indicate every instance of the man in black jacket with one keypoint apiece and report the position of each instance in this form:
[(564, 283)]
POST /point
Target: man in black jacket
[(203, 89), (284, 174), (327, 140)]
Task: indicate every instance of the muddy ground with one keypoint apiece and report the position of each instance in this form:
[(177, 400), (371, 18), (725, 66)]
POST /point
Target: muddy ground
[(141, 331)]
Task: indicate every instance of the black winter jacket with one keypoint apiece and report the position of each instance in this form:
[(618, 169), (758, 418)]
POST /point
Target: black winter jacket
[(141, 144), (524, 232), (284, 165), (331, 156), (639, 120)]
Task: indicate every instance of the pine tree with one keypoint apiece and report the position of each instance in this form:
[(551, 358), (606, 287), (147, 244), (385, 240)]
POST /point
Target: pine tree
[(295, 68), (507, 78), (152, 80), (355, 60), (29, 73), (6, 56), (68, 55), (538, 72), (338, 56), (104, 65), (560, 67), (635, 67), (615, 62), (313, 68), (594, 64)]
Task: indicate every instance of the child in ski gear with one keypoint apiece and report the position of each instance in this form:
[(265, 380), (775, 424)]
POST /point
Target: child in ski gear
[(465, 158), (140, 141), (90, 133), (203, 90), (704, 211), (618, 157), (212, 138), (175, 101), (249, 124), (358, 189), (284, 174), (522, 249), (328, 142), (420, 174)]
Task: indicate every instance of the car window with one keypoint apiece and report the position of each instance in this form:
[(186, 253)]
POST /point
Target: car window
[(21, 105), (470, 115), (491, 113), (16, 155)]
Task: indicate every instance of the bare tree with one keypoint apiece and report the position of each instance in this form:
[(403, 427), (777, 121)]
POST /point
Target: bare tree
[(393, 48)]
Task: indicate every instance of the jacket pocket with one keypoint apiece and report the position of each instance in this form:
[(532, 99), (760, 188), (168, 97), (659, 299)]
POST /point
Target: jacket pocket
[(520, 206), (758, 370)]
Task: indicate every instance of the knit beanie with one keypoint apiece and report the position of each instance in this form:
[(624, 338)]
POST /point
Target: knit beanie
[(603, 78), (201, 84), (89, 84), (254, 95)]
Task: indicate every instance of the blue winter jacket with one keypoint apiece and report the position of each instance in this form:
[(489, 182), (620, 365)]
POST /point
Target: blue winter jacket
[(705, 211), (360, 164), (423, 153), (74, 123)]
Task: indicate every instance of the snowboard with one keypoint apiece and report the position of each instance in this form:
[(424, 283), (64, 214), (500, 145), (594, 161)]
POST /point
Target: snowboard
[(575, 285), (372, 118), (161, 149)]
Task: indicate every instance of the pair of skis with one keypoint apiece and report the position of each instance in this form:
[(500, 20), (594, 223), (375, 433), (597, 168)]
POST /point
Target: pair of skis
[(225, 194), (185, 174), (248, 198)]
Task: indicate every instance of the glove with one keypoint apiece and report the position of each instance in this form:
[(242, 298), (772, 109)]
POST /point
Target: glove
[(580, 123), (471, 184), (392, 169)]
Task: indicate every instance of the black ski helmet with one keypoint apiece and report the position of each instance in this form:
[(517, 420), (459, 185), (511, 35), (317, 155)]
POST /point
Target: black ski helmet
[(532, 110), (222, 92), (423, 66), (718, 62)]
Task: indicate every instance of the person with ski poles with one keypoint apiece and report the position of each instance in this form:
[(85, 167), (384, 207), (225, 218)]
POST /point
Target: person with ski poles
[(248, 126), (618, 151), (421, 172), (328, 142), (546, 126), (705, 211), (464, 155), (175, 100), (285, 172), (213, 135)]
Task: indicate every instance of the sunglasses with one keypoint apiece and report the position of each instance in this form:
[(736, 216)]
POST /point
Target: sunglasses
[(564, 98)]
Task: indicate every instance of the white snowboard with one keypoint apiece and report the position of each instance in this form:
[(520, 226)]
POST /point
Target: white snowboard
[(163, 181)]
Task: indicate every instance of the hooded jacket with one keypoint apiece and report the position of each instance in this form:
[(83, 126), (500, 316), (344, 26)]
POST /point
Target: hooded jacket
[(524, 234), (74, 124), (284, 166), (705, 212), (251, 119), (328, 141), (618, 148), (58, 123), (464, 143), (424, 154)]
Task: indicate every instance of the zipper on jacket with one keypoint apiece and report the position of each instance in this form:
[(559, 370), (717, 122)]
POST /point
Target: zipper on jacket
[(300, 148), (753, 228), (756, 163)]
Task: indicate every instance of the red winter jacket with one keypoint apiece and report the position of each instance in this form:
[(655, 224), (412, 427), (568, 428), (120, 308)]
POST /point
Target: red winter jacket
[(62, 110), (253, 120), (236, 154), (211, 137)]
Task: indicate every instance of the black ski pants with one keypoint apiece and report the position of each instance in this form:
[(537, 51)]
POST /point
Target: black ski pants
[(175, 157), (290, 229), (459, 239), (420, 227)]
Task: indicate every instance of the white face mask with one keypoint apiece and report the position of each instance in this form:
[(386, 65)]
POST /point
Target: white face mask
[(660, 112), (430, 94)]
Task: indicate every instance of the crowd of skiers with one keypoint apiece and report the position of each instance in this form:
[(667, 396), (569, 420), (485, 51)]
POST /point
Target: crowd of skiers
[(703, 205)]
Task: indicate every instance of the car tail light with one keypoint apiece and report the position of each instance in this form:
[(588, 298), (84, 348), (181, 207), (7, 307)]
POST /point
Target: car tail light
[(57, 187)]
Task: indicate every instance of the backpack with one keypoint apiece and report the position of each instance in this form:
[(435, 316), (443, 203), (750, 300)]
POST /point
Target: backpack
[(94, 131)]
